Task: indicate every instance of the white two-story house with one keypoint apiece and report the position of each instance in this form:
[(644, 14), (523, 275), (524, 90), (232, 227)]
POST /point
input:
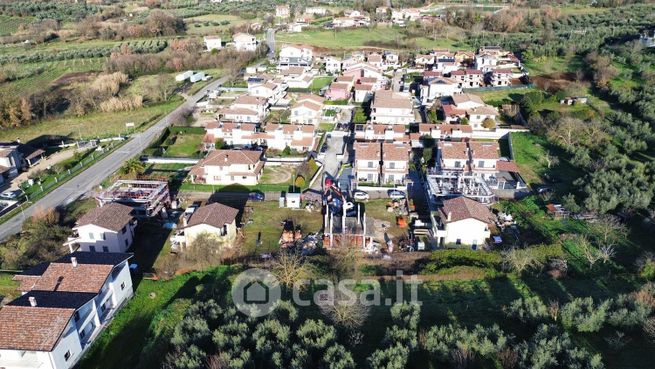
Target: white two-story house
[(109, 228), (392, 108), (295, 56), (64, 306), (298, 137), (226, 167), (307, 110), (245, 108), (368, 156), (245, 42), (395, 162)]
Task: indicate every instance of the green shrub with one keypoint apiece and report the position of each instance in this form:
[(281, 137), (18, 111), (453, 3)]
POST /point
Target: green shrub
[(443, 259)]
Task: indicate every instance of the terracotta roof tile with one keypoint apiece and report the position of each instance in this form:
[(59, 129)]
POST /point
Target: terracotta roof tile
[(461, 208), (216, 215), (112, 216)]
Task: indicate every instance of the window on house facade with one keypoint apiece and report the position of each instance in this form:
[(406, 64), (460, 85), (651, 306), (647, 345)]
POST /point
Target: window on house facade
[(370, 164), (92, 236), (459, 241), (67, 355), (123, 286), (392, 165), (92, 249), (126, 244), (481, 163), (458, 164), (105, 249)]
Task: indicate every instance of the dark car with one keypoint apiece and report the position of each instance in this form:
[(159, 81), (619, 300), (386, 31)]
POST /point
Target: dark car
[(256, 196), (324, 148)]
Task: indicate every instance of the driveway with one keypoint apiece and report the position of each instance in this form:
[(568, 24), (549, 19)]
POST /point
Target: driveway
[(94, 175)]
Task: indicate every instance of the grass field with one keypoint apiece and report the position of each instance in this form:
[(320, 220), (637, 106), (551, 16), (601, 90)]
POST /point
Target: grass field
[(529, 153), (8, 287), (48, 72), (186, 146), (357, 38), (320, 82), (267, 220), (9, 25), (142, 330), (91, 125)]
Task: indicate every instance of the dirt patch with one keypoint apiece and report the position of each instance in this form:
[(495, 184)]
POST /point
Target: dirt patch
[(277, 175), (555, 81), (75, 77)]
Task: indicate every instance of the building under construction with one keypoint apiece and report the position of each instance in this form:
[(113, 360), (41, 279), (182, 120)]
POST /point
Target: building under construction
[(344, 223), (454, 184), (147, 198)]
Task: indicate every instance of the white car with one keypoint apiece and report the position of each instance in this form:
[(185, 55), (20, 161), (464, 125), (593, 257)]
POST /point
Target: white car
[(396, 195), (360, 195), (10, 195)]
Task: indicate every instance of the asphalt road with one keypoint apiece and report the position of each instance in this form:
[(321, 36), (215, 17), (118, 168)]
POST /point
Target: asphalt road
[(94, 175)]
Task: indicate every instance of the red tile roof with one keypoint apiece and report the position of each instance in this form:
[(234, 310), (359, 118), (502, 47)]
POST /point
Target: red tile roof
[(216, 215), (461, 208), (112, 216)]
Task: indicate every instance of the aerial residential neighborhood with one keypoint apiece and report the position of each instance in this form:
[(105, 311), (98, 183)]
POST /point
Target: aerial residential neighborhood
[(327, 184)]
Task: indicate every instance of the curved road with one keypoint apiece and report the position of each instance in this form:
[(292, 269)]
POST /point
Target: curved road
[(94, 175)]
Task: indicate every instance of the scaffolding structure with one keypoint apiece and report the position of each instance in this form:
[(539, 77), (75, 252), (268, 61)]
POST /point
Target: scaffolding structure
[(148, 198), (453, 184)]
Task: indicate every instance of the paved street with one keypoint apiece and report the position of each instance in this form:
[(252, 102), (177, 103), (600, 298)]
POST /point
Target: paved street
[(94, 175)]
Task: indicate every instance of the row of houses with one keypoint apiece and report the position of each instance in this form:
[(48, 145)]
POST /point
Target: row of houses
[(240, 42), (298, 137), (381, 162)]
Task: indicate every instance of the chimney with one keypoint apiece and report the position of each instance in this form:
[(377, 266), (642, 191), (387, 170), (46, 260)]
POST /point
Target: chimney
[(74, 261), (32, 301), (226, 158), (449, 216)]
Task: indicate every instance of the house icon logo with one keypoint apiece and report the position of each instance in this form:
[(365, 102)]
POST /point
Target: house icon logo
[(256, 292)]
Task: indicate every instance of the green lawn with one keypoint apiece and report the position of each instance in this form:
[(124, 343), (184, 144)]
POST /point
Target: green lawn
[(138, 336), (91, 125), (529, 153), (320, 82), (357, 38), (8, 288), (267, 220), (186, 145), (377, 209), (45, 73)]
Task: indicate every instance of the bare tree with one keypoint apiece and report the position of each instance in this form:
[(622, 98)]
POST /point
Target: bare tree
[(520, 260), (610, 230), (550, 160), (291, 268), (345, 312)]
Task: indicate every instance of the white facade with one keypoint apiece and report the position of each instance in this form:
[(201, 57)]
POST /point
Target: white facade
[(93, 238), (245, 42), (212, 43), (243, 174), (332, 65), (392, 108), (82, 327), (464, 232), (225, 235)]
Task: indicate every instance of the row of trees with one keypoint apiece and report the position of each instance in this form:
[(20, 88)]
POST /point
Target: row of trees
[(216, 336)]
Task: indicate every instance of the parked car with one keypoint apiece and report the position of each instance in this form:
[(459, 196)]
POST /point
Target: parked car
[(324, 148), (396, 195), (256, 196), (11, 195), (360, 195)]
